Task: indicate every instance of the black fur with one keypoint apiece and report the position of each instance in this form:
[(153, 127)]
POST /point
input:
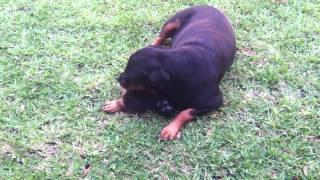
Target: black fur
[(140, 101)]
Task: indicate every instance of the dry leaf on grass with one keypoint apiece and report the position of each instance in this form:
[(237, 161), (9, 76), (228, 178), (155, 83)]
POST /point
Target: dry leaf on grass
[(86, 169), (46, 150), (247, 51), (280, 1)]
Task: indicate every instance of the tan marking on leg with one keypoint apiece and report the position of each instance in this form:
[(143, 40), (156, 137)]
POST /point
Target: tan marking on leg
[(113, 106), (172, 130)]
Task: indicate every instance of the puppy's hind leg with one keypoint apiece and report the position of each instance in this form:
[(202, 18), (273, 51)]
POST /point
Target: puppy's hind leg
[(172, 130)]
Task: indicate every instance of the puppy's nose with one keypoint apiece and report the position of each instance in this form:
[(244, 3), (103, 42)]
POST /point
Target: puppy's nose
[(122, 80)]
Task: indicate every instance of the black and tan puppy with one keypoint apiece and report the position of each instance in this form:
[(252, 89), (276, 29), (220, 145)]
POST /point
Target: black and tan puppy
[(186, 74)]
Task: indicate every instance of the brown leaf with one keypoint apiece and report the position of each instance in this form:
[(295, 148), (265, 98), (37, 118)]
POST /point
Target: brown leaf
[(274, 174), (295, 178), (315, 138), (305, 170), (5, 149), (46, 150), (281, 1), (247, 51), (70, 169), (86, 169)]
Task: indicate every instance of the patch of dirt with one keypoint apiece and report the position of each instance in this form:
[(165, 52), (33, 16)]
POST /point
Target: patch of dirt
[(247, 51), (259, 132), (216, 115), (273, 174), (70, 169), (280, 1), (101, 124), (85, 150), (259, 63), (260, 95), (6, 149), (81, 151), (86, 169), (46, 150), (305, 170), (209, 132), (315, 138)]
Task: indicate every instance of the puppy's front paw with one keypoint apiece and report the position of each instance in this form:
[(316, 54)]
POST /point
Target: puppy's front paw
[(170, 132), (112, 106)]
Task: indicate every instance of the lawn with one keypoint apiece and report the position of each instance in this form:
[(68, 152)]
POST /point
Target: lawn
[(58, 65)]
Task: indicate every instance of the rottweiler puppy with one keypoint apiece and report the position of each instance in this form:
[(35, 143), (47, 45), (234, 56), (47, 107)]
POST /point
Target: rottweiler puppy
[(185, 75)]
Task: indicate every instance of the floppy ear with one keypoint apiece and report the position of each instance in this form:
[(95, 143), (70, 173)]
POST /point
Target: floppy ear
[(159, 79)]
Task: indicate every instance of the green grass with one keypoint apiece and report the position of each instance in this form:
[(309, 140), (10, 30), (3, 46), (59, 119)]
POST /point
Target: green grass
[(59, 60)]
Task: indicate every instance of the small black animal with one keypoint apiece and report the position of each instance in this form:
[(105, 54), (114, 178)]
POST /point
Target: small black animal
[(187, 73)]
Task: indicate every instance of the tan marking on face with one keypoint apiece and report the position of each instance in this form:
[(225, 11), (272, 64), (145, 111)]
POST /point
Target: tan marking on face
[(135, 87), (139, 88)]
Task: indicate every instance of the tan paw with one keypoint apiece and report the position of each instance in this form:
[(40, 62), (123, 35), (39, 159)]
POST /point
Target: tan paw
[(112, 106), (170, 132)]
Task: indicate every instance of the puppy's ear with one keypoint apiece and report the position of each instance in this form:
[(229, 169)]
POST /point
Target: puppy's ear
[(159, 78)]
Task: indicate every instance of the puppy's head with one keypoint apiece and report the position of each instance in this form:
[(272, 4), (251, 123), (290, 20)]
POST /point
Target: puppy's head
[(144, 71)]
